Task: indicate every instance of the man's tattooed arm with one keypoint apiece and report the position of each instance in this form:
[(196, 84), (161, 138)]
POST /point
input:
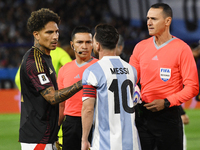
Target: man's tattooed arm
[(55, 97)]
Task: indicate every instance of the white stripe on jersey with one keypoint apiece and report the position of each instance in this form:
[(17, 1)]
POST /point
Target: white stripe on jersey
[(114, 126), (114, 120)]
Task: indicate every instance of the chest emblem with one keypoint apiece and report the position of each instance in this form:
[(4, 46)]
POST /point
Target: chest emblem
[(165, 74)]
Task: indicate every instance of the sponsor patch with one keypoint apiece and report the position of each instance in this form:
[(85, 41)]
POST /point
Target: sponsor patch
[(43, 78), (165, 74)]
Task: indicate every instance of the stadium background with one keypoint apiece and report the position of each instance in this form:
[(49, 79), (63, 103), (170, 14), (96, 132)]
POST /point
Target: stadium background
[(128, 16)]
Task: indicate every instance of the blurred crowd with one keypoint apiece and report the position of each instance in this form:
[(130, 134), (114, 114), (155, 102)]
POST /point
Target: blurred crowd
[(15, 40)]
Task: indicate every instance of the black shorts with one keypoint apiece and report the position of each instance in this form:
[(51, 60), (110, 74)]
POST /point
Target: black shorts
[(161, 130), (72, 133)]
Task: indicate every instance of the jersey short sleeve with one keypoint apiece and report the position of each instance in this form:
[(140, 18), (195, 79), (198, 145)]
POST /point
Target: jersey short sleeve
[(89, 82), (38, 75)]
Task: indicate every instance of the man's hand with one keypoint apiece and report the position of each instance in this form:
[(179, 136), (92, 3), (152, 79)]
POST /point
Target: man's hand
[(85, 145), (156, 105), (185, 119)]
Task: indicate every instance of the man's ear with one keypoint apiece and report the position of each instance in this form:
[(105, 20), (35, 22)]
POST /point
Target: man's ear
[(168, 21), (72, 45), (98, 46), (36, 35)]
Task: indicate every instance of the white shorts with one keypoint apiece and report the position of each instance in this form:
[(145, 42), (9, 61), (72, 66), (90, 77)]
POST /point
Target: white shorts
[(35, 146)]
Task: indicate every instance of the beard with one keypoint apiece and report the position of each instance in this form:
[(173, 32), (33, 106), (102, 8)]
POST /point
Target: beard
[(96, 54)]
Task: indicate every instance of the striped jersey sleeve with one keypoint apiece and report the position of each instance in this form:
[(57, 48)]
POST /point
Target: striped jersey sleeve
[(114, 80), (37, 71)]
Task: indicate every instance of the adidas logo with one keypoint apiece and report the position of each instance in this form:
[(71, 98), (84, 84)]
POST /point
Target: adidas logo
[(50, 71), (155, 58), (77, 76)]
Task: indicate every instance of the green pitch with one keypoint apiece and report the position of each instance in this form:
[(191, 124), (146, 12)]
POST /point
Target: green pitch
[(9, 131), (192, 130)]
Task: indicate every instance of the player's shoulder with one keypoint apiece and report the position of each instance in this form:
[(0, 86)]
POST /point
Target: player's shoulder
[(31, 56), (144, 43), (93, 67), (71, 63), (94, 60), (129, 66), (180, 43), (68, 66)]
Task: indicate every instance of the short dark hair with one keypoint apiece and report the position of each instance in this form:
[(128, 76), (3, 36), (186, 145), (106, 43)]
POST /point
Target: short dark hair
[(106, 35), (120, 41), (166, 8), (40, 18), (80, 29)]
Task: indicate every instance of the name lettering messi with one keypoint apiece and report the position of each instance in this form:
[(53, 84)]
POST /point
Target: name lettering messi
[(119, 70)]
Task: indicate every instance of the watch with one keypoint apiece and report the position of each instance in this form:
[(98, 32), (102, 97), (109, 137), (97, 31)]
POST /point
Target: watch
[(167, 103)]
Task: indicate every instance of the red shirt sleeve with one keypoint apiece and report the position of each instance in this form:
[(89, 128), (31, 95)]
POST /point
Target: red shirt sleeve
[(189, 75), (134, 61)]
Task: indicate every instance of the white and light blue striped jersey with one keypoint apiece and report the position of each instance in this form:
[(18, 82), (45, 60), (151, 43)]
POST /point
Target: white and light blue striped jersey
[(114, 126)]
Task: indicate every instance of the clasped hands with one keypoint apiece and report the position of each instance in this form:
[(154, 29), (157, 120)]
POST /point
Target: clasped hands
[(156, 105)]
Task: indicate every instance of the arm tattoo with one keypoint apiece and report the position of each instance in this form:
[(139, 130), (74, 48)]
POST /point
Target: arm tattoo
[(55, 97), (66, 93), (47, 91)]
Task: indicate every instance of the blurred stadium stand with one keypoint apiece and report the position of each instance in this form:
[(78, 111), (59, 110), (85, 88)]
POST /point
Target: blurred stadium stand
[(128, 16)]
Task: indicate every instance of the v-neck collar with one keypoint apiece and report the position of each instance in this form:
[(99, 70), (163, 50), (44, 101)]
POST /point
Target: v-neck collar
[(158, 47)]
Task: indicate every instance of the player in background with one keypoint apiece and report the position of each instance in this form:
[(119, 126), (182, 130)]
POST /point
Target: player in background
[(108, 87), (39, 91), (164, 64), (120, 48), (70, 110)]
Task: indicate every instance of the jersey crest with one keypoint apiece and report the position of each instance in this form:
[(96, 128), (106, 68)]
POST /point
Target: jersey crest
[(165, 74)]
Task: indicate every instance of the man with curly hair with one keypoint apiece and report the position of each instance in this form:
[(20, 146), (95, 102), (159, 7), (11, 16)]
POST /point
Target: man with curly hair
[(39, 91)]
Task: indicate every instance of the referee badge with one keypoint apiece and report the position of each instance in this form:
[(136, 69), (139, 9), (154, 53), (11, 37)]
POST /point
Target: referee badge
[(43, 78), (165, 74)]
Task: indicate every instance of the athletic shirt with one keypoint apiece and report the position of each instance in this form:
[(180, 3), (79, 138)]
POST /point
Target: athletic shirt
[(114, 80), (39, 119), (69, 74), (59, 58), (164, 69)]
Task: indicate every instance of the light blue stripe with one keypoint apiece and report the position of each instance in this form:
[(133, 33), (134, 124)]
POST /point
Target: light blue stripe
[(103, 115), (158, 47), (127, 140)]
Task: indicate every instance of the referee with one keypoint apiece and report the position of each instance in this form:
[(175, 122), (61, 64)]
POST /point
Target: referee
[(164, 64)]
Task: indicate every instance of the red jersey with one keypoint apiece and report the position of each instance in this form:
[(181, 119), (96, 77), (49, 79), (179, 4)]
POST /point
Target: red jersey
[(69, 74), (164, 69)]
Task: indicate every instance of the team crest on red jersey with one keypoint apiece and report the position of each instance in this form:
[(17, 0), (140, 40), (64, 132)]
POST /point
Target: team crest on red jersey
[(165, 74)]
